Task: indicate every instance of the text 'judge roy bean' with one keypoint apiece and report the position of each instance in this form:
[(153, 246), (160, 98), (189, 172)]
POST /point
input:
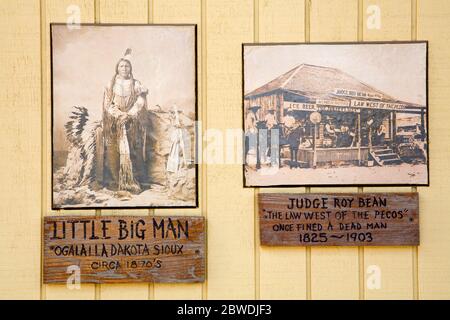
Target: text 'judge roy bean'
[(338, 202)]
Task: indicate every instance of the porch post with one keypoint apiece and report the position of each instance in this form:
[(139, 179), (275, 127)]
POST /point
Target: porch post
[(359, 138), (280, 102), (394, 125), (422, 124), (391, 126), (315, 146)]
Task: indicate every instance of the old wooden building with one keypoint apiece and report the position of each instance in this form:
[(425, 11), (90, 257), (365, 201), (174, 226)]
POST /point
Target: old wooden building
[(342, 101)]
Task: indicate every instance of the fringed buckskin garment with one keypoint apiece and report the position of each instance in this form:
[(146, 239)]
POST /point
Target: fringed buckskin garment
[(124, 142)]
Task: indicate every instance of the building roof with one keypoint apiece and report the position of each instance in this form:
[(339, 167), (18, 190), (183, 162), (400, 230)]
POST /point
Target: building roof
[(319, 82)]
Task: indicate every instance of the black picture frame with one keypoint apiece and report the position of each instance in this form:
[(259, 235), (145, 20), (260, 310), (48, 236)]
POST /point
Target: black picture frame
[(196, 138), (250, 44)]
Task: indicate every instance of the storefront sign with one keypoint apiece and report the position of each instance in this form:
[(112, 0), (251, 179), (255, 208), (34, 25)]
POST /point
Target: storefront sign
[(352, 106), (359, 94), (347, 219), (315, 107), (110, 249), (329, 102), (300, 106), (377, 105)]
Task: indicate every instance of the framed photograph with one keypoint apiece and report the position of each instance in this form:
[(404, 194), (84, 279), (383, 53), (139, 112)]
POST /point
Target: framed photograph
[(124, 111), (335, 114)]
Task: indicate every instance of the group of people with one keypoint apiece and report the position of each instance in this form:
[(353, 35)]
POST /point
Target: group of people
[(343, 136), (292, 132), (336, 136)]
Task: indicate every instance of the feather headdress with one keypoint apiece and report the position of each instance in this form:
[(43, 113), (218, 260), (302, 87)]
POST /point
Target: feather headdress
[(127, 54)]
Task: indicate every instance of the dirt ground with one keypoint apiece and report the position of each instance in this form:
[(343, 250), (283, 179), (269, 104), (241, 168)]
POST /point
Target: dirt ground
[(179, 194), (396, 174), (84, 197)]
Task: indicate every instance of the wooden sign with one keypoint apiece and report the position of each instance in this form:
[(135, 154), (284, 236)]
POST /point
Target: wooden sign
[(112, 249), (347, 219)]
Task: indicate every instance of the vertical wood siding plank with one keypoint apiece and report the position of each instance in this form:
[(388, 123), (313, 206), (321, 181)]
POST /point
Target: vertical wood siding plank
[(434, 254), (282, 270), (333, 20), (394, 263), (230, 207), (183, 11), (281, 20), (59, 11), (20, 165), (123, 11), (395, 20), (334, 270)]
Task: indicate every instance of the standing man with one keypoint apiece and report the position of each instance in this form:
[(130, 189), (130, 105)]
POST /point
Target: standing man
[(251, 132), (271, 123), (330, 133), (124, 107), (294, 139), (270, 119), (380, 135)]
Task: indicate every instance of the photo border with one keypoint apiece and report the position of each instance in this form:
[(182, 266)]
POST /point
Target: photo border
[(196, 140), (255, 44)]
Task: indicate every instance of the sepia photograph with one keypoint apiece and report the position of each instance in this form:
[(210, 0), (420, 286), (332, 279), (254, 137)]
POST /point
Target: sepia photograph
[(124, 110), (335, 114)]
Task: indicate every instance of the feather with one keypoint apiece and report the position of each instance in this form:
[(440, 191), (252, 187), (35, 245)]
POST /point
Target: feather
[(81, 134)]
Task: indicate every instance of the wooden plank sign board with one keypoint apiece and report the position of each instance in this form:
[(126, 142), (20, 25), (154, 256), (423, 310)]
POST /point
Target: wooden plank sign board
[(120, 249), (342, 219)]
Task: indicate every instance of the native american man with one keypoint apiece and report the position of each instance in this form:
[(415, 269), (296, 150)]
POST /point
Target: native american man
[(124, 129)]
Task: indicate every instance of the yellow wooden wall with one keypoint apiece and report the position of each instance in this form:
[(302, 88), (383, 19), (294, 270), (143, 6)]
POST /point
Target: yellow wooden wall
[(237, 267)]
